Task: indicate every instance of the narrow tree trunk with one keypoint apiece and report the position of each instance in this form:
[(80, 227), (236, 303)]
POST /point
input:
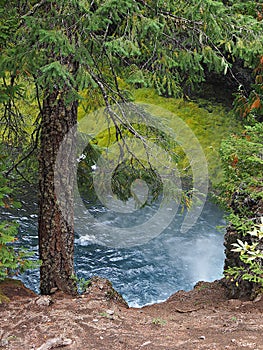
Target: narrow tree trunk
[(56, 232)]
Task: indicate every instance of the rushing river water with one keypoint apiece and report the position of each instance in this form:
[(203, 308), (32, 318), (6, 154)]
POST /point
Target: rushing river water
[(146, 273)]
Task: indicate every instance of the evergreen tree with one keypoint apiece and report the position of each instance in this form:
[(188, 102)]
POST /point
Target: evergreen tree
[(63, 47)]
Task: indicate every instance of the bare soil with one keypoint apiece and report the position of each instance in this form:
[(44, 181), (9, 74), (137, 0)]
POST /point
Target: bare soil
[(204, 318)]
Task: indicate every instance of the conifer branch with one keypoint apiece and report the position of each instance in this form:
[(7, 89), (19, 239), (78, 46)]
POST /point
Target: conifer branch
[(34, 8)]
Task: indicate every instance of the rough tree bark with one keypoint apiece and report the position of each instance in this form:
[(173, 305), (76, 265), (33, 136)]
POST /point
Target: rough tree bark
[(56, 233)]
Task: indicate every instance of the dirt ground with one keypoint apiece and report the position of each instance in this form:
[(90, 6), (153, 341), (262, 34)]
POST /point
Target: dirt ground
[(204, 318)]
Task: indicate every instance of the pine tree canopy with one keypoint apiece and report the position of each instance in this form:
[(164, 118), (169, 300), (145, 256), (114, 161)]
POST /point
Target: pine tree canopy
[(89, 45)]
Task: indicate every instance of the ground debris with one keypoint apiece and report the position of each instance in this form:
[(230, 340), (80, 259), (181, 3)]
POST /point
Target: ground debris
[(55, 343), (204, 318), (44, 300)]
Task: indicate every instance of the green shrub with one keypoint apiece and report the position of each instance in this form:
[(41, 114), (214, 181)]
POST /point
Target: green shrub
[(252, 255), (242, 192), (242, 158)]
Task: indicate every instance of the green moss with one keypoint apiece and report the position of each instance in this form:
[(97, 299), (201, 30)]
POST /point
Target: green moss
[(5, 285), (3, 298), (210, 123), (11, 289)]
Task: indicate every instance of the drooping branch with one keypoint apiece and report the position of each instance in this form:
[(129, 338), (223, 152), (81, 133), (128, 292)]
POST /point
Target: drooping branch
[(27, 155), (33, 10)]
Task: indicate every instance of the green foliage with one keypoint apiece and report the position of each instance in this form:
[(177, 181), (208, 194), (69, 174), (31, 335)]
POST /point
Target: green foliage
[(8, 24), (90, 49), (55, 71), (164, 44), (241, 224), (251, 107), (249, 7), (242, 192), (200, 36), (159, 321), (129, 171), (12, 261), (82, 283), (209, 121), (251, 254), (242, 162)]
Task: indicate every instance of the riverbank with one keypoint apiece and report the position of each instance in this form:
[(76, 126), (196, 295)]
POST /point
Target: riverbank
[(204, 318)]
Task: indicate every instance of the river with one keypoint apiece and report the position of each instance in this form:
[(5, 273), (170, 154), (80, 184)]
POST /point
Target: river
[(145, 273)]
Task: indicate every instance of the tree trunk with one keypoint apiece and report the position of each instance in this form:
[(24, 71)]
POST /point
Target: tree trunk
[(56, 232)]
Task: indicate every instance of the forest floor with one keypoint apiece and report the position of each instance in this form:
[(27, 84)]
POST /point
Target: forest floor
[(204, 318)]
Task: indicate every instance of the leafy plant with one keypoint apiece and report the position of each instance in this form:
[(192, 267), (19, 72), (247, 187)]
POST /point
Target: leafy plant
[(241, 192), (251, 106), (82, 283), (12, 260), (252, 255), (159, 321), (242, 159)]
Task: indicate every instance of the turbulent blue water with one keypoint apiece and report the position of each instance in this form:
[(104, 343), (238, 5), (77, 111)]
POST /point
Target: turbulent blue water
[(145, 273)]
